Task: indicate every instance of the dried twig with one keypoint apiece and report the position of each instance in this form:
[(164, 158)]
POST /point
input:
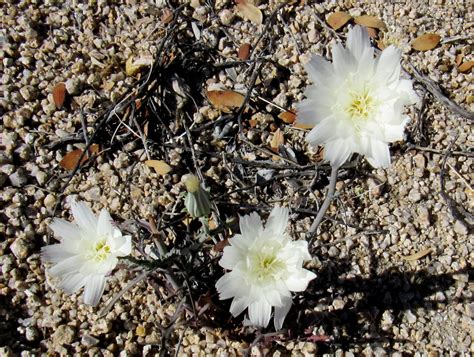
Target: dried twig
[(434, 89), (456, 210)]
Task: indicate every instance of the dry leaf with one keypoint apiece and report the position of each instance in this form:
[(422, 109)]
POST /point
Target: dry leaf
[(225, 99), (372, 32), (70, 160), (418, 255), (298, 125), (277, 140), (249, 11), (338, 19), (466, 66), (132, 66), (253, 123), (459, 59), (244, 51), (370, 21), (160, 167), (287, 117), (219, 247), (381, 45), (167, 16), (426, 42), (59, 94)]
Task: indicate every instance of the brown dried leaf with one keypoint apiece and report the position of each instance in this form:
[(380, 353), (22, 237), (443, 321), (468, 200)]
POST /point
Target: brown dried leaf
[(253, 123), (70, 160), (219, 247), (248, 11), (370, 21), (466, 66), (277, 140), (167, 16), (418, 255), (459, 59), (287, 117), (372, 32), (426, 42), (59, 94), (160, 167), (338, 19), (225, 99), (244, 51)]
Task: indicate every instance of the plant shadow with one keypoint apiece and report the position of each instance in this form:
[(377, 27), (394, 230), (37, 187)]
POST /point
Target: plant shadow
[(357, 320)]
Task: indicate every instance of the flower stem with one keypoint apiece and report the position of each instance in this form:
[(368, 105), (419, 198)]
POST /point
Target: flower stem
[(324, 206)]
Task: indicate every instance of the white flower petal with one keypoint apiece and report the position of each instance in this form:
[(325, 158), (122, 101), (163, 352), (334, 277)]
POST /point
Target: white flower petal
[(238, 305), (72, 283), (251, 225), (230, 285), (343, 60), (126, 248), (388, 65), (93, 290), (67, 266), (277, 221), (64, 230), (104, 224), (84, 216), (322, 133), (280, 313), (231, 257), (260, 313), (299, 280), (55, 253), (379, 154), (319, 70), (337, 152), (358, 41)]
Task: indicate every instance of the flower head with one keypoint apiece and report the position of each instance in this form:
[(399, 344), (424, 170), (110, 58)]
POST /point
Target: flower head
[(87, 251), (265, 266), (356, 103)]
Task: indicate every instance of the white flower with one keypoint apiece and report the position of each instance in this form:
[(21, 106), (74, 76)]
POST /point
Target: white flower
[(265, 266), (87, 252), (357, 101)]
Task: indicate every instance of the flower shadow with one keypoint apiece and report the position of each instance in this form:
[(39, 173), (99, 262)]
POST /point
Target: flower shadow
[(355, 310)]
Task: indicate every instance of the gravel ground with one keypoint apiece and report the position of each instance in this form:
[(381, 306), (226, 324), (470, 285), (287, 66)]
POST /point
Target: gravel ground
[(371, 296)]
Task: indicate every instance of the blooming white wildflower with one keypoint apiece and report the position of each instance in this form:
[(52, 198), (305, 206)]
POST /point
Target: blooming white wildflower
[(265, 266), (87, 251), (356, 102), (197, 199)]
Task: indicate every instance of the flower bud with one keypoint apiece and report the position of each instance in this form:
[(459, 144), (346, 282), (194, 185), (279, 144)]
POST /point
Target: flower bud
[(197, 199)]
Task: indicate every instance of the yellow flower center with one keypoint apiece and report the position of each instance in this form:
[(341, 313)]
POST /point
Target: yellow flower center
[(266, 266), (361, 105), (101, 250)]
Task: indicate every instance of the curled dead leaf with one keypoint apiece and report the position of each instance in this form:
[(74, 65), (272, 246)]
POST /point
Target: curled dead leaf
[(466, 66), (338, 19), (71, 159), (248, 11), (160, 167), (426, 42), (225, 99), (370, 21), (418, 255), (244, 51), (287, 117), (59, 94), (277, 140)]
